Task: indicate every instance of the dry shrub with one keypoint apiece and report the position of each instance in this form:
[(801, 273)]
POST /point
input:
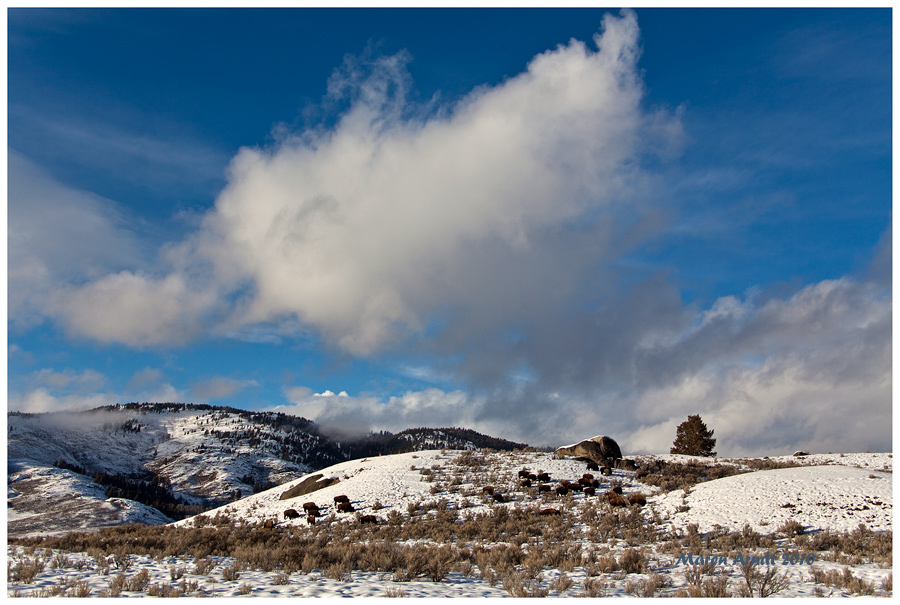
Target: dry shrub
[(281, 579), (762, 583), (632, 561), (246, 588), (204, 566), (138, 582), (189, 586), (716, 588), (843, 579), (792, 528), (59, 561), (887, 583), (394, 593), (163, 589), (562, 583), (594, 588), (116, 585), (520, 587), (26, 569), (230, 573)]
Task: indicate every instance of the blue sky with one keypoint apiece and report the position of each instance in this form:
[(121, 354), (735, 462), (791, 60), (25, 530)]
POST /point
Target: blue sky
[(541, 224)]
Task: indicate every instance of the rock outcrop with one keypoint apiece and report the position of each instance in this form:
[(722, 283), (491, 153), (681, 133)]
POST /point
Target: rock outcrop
[(309, 485), (602, 450)]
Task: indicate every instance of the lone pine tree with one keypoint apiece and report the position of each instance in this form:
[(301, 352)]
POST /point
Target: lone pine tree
[(693, 438)]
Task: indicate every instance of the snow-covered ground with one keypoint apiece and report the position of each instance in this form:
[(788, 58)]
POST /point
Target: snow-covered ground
[(835, 497), (832, 491)]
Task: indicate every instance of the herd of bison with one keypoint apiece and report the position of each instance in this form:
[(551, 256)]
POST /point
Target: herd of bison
[(586, 484)]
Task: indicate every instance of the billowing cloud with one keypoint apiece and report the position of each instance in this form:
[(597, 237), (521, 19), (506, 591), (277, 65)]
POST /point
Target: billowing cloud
[(345, 415), (367, 231), (812, 370)]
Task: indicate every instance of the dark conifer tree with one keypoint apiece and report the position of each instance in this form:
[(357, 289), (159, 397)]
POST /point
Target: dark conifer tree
[(693, 438)]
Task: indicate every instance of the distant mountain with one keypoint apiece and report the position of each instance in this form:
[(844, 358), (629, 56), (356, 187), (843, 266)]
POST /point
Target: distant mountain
[(157, 462), (412, 440)]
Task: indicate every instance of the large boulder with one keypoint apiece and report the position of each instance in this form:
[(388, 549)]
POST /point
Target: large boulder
[(601, 449)]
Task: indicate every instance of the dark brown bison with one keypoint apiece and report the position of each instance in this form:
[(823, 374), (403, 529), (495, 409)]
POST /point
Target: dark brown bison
[(593, 466), (526, 482), (615, 499), (641, 474), (523, 473), (546, 512), (637, 498), (561, 491), (532, 477), (498, 497), (269, 524), (309, 505), (587, 476), (341, 499), (368, 519), (590, 491), (488, 489), (543, 477), (345, 507), (543, 487), (617, 489), (311, 520), (291, 514), (606, 471)]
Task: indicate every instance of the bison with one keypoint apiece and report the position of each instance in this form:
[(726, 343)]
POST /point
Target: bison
[(309, 505), (543, 476), (606, 471), (341, 499), (311, 520), (498, 497), (269, 524), (368, 519), (561, 491), (488, 489), (593, 466), (291, 514), (523, 474), (615, 499), (544, 488), (590, 491), (637, 498), (345, 507), (546, 512), (526, 482)]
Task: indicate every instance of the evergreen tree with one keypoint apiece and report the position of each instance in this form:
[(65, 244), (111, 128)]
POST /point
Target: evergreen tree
[(693, 438)]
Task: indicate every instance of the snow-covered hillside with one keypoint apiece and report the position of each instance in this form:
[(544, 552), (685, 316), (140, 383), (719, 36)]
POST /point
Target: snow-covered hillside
[(825, 493), (596, 544), (178, 458), (199, 457)]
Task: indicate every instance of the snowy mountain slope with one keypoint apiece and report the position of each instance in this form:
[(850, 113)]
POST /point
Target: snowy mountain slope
[(200, 456), (53, 500)]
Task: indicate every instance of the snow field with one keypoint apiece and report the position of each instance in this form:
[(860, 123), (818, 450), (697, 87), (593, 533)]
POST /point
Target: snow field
[(380, 485)]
